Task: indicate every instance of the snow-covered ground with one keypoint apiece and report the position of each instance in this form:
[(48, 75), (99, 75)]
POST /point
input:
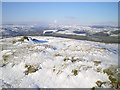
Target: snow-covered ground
[(58, 63)]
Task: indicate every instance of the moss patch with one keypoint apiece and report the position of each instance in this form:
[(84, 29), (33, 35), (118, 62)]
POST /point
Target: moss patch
[(5, 57), (112, 79), (58, 55), (54, 69), (75, 72), (73, 60), (97, 63), (66, 59), (30, 69), (93, 88), (98, 69), (113, 76), (14, 42), (81, 59), (99, 83), (86, 68), (114, 82), (110, 70)]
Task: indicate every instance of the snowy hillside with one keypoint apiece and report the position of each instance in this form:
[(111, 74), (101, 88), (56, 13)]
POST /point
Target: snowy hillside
[(57, 63)]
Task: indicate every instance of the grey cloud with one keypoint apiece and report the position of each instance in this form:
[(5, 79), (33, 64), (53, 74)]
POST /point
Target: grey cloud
[(70, 17)]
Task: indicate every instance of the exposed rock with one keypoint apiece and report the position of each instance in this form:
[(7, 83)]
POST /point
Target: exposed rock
[(20, 40), (99, 83)]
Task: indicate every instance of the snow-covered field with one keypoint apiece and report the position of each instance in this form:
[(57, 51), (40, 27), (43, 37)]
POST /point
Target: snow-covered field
[(58, 63)]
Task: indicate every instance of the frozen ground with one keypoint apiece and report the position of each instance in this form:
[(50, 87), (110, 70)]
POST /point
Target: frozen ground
[(58, 63)]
